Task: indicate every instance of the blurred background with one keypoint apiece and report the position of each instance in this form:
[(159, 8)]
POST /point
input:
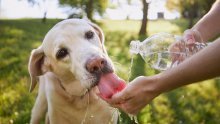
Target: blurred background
[(24, 23)]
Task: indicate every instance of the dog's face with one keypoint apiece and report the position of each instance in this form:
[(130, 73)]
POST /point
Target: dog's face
[(74, 51)]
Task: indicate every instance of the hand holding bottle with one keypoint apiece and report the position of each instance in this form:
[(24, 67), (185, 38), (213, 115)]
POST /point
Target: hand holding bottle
[(191, 42), (163, 51)]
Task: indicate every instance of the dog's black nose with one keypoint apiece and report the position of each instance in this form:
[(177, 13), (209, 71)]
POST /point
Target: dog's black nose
[(95, 64)]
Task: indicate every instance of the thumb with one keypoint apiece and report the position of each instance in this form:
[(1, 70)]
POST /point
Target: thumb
[(118, 98), (189, 37)]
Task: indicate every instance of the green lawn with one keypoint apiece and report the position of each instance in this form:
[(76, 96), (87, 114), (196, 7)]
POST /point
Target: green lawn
[(194, 104)]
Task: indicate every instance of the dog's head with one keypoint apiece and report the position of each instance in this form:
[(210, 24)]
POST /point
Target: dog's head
[(72, 50)]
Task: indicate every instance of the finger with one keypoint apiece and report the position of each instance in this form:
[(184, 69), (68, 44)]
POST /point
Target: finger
[(116, 106), (134, 111), (116, 98), (189, 37), (108, 100), (129, 109), (102, 97), (119, 97), (134, 106)]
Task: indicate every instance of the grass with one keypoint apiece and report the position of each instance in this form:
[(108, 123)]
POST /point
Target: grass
[(193, 104)]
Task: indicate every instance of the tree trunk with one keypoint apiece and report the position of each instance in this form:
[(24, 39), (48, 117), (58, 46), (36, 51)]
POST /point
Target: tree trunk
[(193, 13), (143, 30), (190, 22), (45, 17), (89, 9)]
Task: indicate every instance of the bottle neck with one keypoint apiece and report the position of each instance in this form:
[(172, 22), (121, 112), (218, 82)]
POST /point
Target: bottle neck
[(135, 47)]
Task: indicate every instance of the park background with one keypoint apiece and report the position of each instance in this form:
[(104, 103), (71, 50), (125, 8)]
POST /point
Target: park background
[(24, 23)]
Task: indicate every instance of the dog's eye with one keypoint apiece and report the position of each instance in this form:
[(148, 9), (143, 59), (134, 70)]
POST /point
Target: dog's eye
[(89, 35), (61, 53)]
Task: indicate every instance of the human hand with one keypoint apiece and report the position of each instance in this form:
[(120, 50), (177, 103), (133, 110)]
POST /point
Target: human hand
[(191, 36), (136, 95), (185, 46), (177, 52)]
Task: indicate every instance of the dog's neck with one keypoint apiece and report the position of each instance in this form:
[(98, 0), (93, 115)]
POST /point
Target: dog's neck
[(72, 89), (82, 100)]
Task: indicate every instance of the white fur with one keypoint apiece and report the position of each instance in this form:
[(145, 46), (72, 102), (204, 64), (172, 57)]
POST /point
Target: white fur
[(72, 105)]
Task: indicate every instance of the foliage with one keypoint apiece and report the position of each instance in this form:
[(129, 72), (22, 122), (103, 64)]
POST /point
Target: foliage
[(197, 103), (185, 6), (87, 6), (17, 39), (190, 8)]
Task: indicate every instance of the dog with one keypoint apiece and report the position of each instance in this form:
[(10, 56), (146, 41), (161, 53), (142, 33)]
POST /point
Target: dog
[(68, 65)]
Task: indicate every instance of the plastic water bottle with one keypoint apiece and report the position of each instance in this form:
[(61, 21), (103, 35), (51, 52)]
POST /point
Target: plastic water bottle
[(163, 50)]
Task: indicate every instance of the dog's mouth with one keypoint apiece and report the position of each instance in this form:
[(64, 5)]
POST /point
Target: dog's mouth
[(108, 84), (105, 79)]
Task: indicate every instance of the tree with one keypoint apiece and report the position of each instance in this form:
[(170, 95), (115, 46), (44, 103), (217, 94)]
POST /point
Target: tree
[(40, 3), (0, 8), (190, 9), (87, 6), (143, 30)]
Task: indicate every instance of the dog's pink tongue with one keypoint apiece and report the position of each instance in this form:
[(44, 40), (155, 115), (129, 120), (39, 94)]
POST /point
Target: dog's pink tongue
[(110, 84)]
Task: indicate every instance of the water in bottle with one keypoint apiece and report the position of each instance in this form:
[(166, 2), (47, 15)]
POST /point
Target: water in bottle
[(163, 50)]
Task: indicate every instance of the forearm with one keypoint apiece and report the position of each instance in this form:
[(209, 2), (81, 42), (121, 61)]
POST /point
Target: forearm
[(209, 26), (201, 66)]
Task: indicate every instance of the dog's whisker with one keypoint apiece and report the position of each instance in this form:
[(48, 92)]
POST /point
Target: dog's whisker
[(117, 63), (88, 78)]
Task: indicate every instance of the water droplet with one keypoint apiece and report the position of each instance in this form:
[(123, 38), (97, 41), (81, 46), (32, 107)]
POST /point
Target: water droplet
[(182, 97), (129, 72), (180, 122), (11, 121), (86, 111), (134, 118), (16, 113)]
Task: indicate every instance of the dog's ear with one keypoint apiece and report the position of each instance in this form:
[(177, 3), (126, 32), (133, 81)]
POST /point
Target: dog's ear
[(98, 31), (35, 66), (100, 34)]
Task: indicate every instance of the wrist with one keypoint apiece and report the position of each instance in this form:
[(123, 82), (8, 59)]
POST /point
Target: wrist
[(159, 83), (164, 82), (153, 85)]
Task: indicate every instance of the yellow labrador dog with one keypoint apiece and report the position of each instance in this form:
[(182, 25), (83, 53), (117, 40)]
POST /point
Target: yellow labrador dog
[(68, 65)]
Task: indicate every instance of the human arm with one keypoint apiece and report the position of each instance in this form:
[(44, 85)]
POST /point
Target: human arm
[(138, 93), (206, 28), (201, 66)]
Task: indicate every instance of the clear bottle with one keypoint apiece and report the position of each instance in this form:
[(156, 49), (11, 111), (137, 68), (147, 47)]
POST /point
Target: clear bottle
[(163, 50)]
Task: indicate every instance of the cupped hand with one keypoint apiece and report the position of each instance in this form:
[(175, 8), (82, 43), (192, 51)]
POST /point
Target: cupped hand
[(136, 95)]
